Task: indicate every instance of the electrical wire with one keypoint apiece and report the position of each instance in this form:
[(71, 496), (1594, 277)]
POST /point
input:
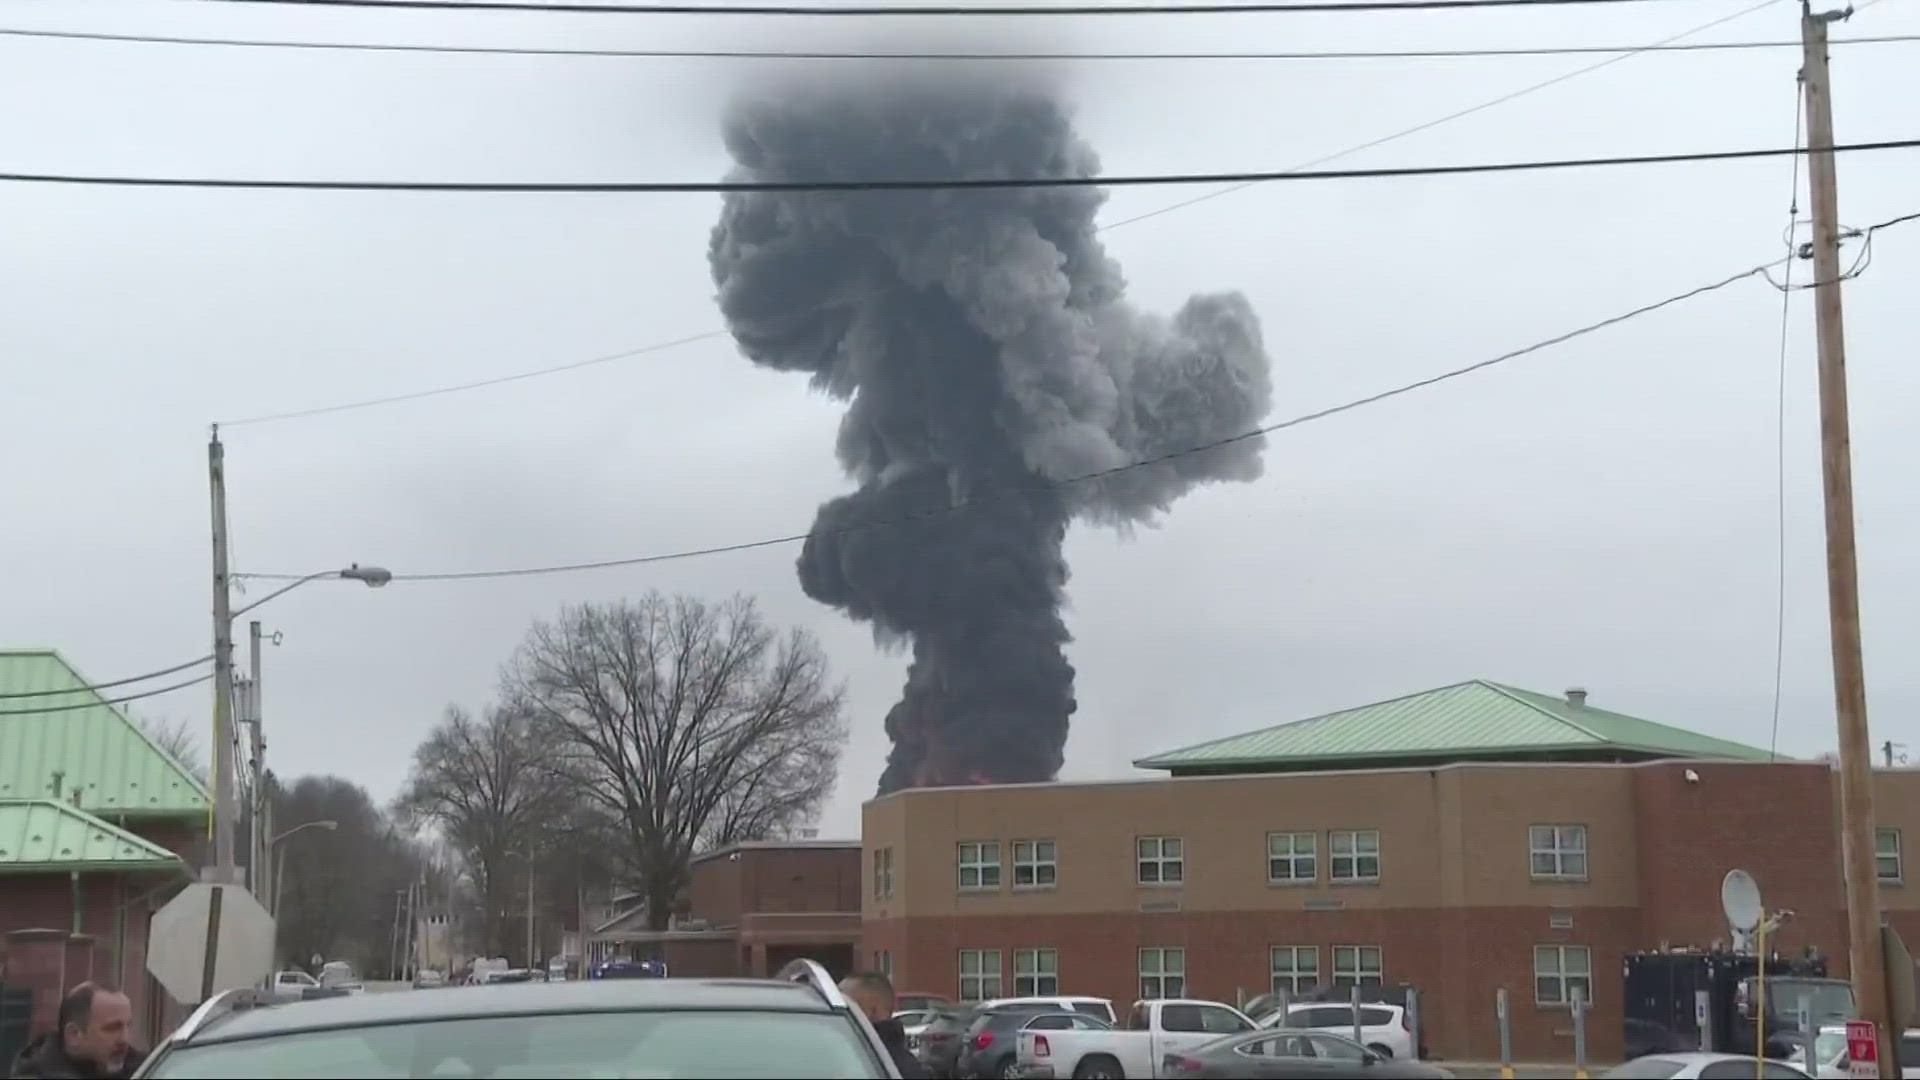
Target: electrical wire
[(18, 694), (1457, 114), (968, 57), (892, 10), (972, 503), (669, 187), (1368, 145), (1780, 430), (108, 701)]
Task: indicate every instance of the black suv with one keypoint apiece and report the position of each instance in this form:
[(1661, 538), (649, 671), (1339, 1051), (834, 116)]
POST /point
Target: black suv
[(797, 1025)]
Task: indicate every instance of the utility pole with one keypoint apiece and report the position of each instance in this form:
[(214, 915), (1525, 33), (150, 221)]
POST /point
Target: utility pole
[(257, 767), (530, 960), (223, 773), (1865, 961)]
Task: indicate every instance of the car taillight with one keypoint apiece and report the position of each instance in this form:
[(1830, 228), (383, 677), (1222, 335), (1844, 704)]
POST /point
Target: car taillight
[(983, 1040), (1177, 1064), (1040, 1047)]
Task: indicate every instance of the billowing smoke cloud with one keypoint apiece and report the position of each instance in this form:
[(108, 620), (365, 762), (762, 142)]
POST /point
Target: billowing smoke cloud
[(984, 342)]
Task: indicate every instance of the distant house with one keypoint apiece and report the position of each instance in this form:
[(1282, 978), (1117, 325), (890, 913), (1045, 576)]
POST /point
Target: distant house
[(95, 824)]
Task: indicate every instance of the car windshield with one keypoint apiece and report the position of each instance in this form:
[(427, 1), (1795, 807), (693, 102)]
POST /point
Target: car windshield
[(703, 1044)]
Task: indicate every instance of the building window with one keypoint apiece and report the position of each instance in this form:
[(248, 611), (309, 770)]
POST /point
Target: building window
[(1036, 972), (1163, 973), (979, 974), (1559, 970), (1353, 855), (883, 873), (1291, 858), (883, 962), (1296, 968), (1886, 855), (1161, 860), (980, 865), (1036, 864), (1357, 965), (1557, 852)]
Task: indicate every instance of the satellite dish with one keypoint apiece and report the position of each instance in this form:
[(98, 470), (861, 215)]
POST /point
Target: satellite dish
[(1740, 899)]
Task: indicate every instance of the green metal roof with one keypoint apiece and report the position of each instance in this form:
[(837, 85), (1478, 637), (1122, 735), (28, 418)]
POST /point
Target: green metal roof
[(40, 835), (95, 749), (1476, 719)]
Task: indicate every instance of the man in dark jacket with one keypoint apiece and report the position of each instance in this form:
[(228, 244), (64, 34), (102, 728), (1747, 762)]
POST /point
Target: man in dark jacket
[(872, 992), (90, 1042)]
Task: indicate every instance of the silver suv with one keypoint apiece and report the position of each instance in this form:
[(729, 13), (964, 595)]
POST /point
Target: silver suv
[(796, 1025)]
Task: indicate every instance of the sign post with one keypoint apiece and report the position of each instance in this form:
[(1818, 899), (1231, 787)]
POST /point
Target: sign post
[(1863, 1050), (209, 939)]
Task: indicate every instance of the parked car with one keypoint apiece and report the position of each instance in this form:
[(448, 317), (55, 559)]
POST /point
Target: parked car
[(1093, 1006), (914, 1002), (1703, 1066), (428, 979), (1384, 1029), (1155, 1034), (938, 1043), (291, 985), (991, 1038), (799, 1025), (1293, 1054)]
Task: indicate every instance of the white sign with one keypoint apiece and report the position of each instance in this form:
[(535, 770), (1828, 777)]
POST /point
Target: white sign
[(209, 939)]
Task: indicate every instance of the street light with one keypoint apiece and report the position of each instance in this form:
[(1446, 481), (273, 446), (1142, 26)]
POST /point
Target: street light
[(373, 576), (279, 866), (280, 863)]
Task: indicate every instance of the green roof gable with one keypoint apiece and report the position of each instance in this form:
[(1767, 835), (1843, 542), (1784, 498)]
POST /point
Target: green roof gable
[(97, 750), (41, 835), (1477, 720)]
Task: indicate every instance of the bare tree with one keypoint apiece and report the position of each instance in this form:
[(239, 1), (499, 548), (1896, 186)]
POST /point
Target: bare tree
[(179, 741), (495, 796), (693, 725)]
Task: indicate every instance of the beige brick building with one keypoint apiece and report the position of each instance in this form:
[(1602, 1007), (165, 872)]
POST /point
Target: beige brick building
[(1455, 875)]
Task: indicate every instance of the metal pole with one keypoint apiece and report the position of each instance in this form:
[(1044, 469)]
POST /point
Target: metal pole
[(1353, 998), (530, 964), (1866, 965), (223, 808), (1579, 1033), (1284, 997), (1703, 1016), (257, 849), (1506, 1034), (1413, 1019), (1807, 1033)]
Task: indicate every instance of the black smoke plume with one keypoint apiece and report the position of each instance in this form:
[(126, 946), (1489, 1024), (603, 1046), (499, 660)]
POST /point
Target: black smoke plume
[(988, 354)]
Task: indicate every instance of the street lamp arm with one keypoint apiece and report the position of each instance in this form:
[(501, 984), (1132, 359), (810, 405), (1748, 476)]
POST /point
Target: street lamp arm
[(372, 576), (327, 825), (282, 591)]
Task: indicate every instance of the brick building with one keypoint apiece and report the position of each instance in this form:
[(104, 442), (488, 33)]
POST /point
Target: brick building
[(753, 907), (1463, 840), (95, 821)]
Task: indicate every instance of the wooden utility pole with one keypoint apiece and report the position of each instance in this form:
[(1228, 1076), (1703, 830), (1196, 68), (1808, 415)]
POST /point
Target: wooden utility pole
[(1865, 961), (223, 765)]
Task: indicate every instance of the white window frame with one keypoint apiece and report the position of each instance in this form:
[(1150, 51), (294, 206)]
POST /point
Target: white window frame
[(1153, 851), (1550, 966), (883, 962), (1167, 972), (1351, 966), (1883, 850), (1036, 972), (1293, 976), (1038, 861), (883, 873), (1285, 848), (1558, 844), (984, 980), (981, 859), (1360, 844)]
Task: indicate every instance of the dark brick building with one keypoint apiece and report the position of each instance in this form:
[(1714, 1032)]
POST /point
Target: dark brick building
[(753, 907), (1462, 841)]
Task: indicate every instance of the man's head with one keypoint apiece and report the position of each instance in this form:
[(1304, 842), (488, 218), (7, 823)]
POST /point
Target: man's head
[(872, 991), (94, 1022)]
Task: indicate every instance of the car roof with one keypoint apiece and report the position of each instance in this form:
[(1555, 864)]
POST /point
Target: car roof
[(512, 999)]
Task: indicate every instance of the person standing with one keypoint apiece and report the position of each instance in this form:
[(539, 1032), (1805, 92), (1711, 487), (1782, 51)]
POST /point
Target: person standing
[(90, 1042), (873, 994)]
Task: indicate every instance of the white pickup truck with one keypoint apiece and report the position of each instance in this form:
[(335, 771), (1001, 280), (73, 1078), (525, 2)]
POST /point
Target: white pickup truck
[(1137, 1049)]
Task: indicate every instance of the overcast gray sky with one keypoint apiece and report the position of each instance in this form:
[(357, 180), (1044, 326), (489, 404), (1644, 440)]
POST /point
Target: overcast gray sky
[(1600, 514)]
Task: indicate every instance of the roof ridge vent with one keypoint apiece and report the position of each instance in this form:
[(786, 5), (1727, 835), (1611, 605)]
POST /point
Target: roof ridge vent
[(1577, 696)]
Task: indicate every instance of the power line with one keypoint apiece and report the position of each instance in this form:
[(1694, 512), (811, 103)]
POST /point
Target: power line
[(690, 187), (968, 57), (105, 685), (1354, 149), (971, 503), (298, 414), (107, 701), (891, 10)]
